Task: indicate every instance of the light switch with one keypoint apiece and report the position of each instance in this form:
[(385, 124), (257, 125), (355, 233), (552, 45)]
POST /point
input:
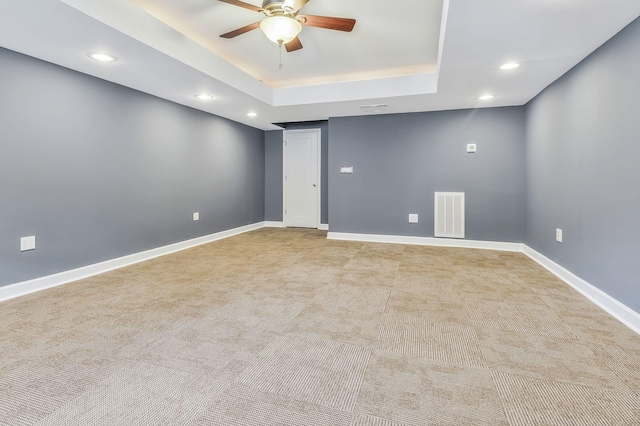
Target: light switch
[(413, 218), (196, 216), (471, 148), (28, 243), (559, 235), (346, 170)]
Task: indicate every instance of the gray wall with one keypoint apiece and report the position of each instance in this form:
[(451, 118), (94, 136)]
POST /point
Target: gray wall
[(96, 171), (273, 175), (583, 168), (401, 160), (273, 172)]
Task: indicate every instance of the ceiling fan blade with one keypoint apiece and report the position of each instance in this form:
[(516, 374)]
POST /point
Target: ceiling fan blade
[(340, 24), (293, 45), (240, 31), (292, 6), (243, 4)]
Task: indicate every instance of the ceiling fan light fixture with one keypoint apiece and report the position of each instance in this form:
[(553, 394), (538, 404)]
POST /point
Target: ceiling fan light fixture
[(280, 29)]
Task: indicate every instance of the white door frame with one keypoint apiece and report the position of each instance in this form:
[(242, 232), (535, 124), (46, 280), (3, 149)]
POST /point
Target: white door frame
[(284, 171)]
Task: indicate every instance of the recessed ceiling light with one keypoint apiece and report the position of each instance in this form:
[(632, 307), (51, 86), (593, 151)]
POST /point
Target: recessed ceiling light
[(203, 96), (374, 108), (510, 66), (102, 57), (485, 97), (252, 114)]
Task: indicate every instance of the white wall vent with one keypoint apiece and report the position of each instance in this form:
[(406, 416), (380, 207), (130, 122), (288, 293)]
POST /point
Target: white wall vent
[(449, 215)]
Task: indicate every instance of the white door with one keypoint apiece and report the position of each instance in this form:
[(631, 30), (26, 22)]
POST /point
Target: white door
[(301, 178)]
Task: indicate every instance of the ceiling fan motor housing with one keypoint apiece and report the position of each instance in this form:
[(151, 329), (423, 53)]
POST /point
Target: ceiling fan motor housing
[(282, 7)]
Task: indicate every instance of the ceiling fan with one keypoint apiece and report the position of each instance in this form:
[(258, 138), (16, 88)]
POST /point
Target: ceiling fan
[(283, 22)]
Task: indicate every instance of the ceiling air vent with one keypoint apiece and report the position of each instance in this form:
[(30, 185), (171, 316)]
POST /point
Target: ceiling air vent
[(449, 215), (374, 108)]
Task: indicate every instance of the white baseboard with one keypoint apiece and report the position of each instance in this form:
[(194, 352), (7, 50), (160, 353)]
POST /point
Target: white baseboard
[(49, 281), (323, 227), (615, 308), (426, 241), (273, 224)]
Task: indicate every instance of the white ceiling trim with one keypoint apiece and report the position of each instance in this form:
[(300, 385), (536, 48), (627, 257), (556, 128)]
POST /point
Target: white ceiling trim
[(421, 84)]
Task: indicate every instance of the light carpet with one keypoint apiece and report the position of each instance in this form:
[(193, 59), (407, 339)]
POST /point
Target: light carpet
[(285, 327)]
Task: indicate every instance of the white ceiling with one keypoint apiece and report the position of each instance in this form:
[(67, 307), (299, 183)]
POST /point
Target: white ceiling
[(327, 56), (414, 55)]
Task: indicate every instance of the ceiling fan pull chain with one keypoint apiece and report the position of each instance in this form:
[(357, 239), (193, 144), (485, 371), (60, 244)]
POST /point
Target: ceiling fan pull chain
[(280, 47)]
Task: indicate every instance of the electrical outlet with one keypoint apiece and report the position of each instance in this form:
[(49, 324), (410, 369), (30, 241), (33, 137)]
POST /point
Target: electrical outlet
[(196, 216), (28, 243), (413, 218), (559, 235)]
